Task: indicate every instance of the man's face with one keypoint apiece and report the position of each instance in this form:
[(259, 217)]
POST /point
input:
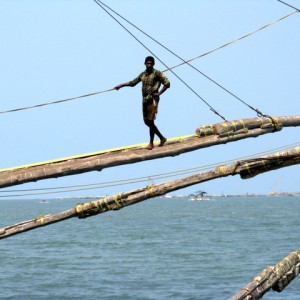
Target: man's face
[(149, 65)]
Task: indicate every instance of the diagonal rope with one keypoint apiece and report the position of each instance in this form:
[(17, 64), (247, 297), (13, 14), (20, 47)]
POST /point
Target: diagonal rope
[(259, 113), (54, 102), (297, 9), (236, 40), (191, 89)]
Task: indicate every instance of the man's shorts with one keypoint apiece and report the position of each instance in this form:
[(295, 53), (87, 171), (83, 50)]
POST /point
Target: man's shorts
[(150, 109)]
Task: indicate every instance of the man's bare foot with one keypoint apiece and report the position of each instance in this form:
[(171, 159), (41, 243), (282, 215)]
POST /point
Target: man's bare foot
[(150, 147), (162, 142)]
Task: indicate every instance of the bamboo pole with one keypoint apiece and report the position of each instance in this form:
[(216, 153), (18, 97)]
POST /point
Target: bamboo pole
[(275, 277), (245, 169), (206, 136)]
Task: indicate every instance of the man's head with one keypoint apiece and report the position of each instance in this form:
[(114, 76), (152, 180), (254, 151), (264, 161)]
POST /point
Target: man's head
[(151, 59), (149, 63)]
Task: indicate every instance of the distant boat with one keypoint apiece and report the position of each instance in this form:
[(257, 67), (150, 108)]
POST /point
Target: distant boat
[(199, 196), (43, 201)]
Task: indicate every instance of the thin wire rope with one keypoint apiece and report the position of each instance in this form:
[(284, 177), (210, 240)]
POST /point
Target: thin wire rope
[(55, 102), (259, 113), (138, 179), (289, 5), (147, 48), (169, 69), (236, 40)]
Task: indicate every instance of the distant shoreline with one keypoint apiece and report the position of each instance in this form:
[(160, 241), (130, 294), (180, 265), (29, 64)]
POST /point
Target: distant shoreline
[(172, 196), (281, 194), (285, 194)]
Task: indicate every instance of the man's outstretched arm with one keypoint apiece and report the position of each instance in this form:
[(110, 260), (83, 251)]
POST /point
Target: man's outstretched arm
[(122, 85)]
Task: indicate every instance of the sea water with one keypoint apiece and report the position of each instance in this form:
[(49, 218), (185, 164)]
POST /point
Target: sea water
[(157, 249)]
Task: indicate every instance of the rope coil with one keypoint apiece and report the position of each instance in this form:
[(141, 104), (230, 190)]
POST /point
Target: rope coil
[(115, 202)]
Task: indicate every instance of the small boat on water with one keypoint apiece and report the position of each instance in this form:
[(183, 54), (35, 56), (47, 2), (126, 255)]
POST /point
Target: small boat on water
[(199, 196), (43, 201)]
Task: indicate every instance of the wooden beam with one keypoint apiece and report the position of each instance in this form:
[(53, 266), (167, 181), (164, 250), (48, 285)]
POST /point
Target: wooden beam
[(274, 277), (206, 136)]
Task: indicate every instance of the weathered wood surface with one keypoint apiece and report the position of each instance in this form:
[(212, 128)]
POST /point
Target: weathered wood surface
[(206, 136), (244, 168), (275, 277)]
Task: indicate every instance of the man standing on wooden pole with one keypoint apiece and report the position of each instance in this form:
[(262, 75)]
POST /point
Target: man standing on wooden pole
[(151, 81)]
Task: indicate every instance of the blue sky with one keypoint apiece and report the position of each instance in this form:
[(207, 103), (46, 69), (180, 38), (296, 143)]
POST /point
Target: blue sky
[(57, 49)]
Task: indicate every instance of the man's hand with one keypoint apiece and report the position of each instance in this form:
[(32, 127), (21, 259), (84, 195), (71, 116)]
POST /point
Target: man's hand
[(157, 94), (118, 87), (121, 85)]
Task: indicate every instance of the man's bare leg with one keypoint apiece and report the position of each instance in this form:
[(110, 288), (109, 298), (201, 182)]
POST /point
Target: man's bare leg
[(152, 133), (162, 141), (154, 130)]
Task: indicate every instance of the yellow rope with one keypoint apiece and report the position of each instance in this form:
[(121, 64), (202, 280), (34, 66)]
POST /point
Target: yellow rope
[(116, 199), (244, 126), (204, 129), (234, 125), (84, 210), (222, 169), (150, 189), (225, 126), (247, 167), (40, 219)]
